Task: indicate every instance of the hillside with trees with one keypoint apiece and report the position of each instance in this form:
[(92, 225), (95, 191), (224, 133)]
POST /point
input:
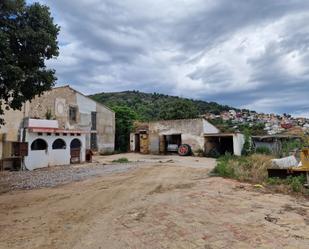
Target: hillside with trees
[(155, 106), (130, 106)]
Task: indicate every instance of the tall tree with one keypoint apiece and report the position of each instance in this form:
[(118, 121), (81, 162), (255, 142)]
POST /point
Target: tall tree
[(28, 37), (125, 118)]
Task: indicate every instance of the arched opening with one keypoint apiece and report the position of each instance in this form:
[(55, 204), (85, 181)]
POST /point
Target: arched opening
[(75, 144), (59, 144), (39, 144)]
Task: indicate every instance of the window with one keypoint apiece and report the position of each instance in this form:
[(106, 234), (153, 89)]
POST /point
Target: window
[(93, 121), (93, 141), (39, 144), (59, 144), (73, 113)]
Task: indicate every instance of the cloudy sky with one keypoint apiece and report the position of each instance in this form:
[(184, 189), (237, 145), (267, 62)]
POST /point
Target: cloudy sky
[(244, 53)]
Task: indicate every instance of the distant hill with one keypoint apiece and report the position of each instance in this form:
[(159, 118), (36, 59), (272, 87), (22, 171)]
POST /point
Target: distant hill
[(155, 106)]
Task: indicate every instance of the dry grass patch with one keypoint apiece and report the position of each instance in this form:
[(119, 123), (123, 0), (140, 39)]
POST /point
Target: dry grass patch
[(251, 168)]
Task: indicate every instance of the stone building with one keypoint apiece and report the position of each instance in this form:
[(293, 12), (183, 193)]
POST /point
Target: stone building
[(73, 110), (75, 114), (164, 136), (161, 137)]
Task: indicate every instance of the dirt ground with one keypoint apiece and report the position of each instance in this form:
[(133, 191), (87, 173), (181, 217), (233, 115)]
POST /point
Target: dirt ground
[(165, 202)]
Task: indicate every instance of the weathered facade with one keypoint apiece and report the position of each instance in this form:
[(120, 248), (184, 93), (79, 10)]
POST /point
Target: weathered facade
[(165, 136), (72, 110)]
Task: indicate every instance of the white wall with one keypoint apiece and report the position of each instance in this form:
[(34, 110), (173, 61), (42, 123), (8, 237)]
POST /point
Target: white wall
[(209, 128), (85, 104), (40, 159), (238, 143)]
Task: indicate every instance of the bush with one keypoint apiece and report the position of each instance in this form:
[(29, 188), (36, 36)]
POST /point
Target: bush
[(263, 150), (247, 148), (224, 169), (245, 168), (291, 145), (121, 160), (274, 181), (296, 183)]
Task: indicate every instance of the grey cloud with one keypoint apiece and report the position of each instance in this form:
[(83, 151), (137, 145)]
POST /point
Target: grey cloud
[(233, 52)]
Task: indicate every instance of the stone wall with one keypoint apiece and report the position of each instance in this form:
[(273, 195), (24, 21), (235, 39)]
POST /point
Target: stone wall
[(57, 101), (191, 130)]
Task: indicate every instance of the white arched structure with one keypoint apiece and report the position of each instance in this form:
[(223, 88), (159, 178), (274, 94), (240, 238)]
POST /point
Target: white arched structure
[(59, 154)]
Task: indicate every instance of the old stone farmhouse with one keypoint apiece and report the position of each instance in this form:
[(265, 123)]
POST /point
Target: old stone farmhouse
[(161, 137), (56, 128)]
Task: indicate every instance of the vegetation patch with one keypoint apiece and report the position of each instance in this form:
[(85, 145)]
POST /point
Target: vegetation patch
[(121, 160), (263, 150), (253, 168)]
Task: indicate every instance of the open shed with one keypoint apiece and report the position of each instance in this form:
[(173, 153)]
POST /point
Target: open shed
[(165, 136), (273, 142), (222, 143)]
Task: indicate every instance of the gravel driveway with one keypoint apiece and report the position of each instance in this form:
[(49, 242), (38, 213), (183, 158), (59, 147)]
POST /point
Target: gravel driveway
[(53, 176), (102, 165)]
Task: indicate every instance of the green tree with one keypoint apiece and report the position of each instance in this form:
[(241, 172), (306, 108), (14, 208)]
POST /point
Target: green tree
[(178, 109), (28, 37), (125, 118), (247, 148)]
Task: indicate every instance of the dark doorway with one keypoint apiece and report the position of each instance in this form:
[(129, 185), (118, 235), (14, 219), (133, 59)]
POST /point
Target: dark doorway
[(93, 141), (219, 145), (172, 142), (226, 145), (137, 143), (75, 147)]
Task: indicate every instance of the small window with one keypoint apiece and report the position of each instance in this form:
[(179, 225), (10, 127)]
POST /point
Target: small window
[(93, 121), (59, 144), (39, 144), (73, 113)]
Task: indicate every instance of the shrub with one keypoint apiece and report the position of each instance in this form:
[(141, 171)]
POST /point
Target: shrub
[(296, 183), (121, 160), (247, 148), (291, 145), (224, 169)]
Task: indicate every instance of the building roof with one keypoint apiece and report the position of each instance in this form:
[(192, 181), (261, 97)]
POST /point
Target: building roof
[(276, 136), (220, 134)]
